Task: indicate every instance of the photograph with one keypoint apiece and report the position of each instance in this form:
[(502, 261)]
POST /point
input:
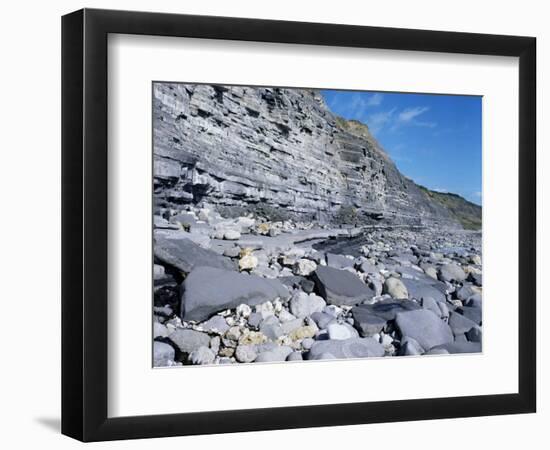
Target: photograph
[(298, 224)]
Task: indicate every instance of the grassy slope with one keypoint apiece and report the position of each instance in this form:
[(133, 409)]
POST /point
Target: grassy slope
[(467, 213)]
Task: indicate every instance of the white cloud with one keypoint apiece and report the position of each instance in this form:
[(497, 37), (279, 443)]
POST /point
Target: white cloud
[(408, 117), (441, 190), (359, 102), (377, 121), (375, 99), (409, 114)]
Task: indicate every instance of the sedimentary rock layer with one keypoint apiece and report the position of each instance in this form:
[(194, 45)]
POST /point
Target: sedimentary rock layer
[(279, 153)]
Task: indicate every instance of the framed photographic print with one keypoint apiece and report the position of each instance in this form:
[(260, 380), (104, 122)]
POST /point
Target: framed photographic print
[(274, 225)]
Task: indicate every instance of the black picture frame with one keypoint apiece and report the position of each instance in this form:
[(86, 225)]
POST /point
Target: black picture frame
[(84, 224)]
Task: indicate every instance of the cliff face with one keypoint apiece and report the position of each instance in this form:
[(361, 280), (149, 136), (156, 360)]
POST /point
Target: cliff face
[(280, 153)]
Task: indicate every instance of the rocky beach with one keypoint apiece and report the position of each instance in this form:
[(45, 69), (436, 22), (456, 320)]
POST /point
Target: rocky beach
[(282, 232)]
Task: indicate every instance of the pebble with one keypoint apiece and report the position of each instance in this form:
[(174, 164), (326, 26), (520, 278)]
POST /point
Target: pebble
[(341, 331), (245, 353), (302, 304), (304, 267), (232, 235), (395, 288), (248, 262)]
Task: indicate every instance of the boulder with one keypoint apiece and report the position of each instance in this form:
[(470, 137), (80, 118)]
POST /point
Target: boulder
[(460, 324), (208, 290), (349, 348), (367, 322), (339, 261), (387, 309), (432, 305), (459, 347), (340, 287), (474, 334), (185, 255), (410, 347), (189, 340), (425, 327), (298, 282), (418, 289), (476, 278), (216, 325), (271, 327), (367, 267), (451, 272), (303, 305), (322, 319), (163, 354), (201, 356), (294, 356), (474, 300), (278, 353), (472, 312)]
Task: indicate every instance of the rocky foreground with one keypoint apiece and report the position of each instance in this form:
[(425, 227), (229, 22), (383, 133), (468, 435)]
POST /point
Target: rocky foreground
[(247, 290)]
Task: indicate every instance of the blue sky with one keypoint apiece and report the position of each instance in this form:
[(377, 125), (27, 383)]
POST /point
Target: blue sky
[(433, 139)]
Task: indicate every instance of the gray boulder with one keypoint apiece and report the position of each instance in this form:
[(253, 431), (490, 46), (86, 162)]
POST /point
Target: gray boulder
[(388, 309), (322, 319), (476, 278), (432, 305), (303, 305), (255, 319), (349, 348), (185, 255), (208, 290), (410, 347), (295, 356), (460, 324), (451, 272), (366, 321), (189, 340), (340, 287), (420, 289), (163, 354), (339, 261), (474, 300), (459, 347), (471, 312), (201, 356), (425, 327), (278, 353), (271, 327), (298, 282), (474, 334), (367, 267), (216, 324), (465, 292)]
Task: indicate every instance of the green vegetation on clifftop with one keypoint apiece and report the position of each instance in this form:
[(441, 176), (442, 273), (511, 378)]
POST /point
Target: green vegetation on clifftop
[(467, 213)]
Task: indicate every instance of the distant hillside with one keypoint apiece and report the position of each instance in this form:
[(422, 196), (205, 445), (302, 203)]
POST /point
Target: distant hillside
[(467, 213)]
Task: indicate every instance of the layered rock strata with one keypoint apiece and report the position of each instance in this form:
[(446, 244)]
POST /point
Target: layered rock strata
[(277, 153)]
